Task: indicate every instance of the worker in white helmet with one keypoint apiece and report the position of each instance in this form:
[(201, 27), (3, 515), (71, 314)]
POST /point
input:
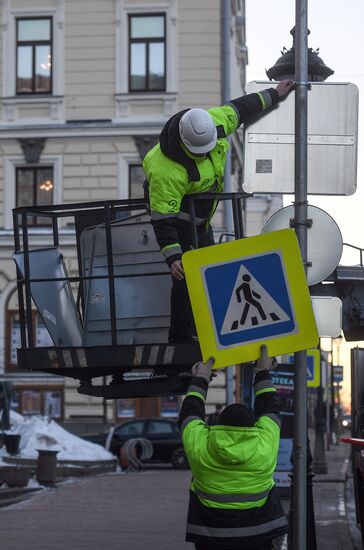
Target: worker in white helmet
[(189, 159)]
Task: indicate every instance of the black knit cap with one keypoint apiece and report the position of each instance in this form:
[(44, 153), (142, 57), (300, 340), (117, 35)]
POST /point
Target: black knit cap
[(237, 415)]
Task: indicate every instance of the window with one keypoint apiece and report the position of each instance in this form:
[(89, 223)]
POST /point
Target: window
[(34, 55), (34, 187), (52, 403), (40, 400), (14, 339), (136, 180), (147, 52), (31, 402), (41, 336), (14, 164)]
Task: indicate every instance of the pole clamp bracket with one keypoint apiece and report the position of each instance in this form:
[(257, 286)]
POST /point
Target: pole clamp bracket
[(293, 223), (307, 84)]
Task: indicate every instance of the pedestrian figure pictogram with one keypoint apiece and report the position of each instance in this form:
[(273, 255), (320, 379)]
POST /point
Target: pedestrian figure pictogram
[(249, 296), (250, 305)]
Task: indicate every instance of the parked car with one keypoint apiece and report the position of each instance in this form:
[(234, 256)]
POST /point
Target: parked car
[(163, 433)]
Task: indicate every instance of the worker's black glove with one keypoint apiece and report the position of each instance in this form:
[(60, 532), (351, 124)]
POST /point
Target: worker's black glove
[(203, 370), (264, 362)]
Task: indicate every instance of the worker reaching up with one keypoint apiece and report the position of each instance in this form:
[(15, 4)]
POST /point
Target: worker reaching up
[(190, 158), (234, 503)]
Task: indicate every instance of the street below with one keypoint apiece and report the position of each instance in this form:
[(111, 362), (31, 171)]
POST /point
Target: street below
[(135, 510)]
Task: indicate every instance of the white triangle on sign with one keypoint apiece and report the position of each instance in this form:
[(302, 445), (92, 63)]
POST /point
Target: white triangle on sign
[(251, 306)]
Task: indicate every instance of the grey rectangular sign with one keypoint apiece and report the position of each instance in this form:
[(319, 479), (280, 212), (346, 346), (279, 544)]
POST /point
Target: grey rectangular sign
[(332, 142)]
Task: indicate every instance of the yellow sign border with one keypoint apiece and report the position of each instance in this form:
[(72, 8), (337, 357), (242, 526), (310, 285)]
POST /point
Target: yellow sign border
[(284, 241)]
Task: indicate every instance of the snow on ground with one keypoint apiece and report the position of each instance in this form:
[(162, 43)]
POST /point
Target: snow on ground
[(39, 432)]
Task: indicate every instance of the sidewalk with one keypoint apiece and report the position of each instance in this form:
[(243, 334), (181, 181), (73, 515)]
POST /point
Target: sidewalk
[(333, 528), (117, 511), (109, 512)]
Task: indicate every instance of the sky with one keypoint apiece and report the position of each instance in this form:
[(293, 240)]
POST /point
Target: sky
[(336, 28)]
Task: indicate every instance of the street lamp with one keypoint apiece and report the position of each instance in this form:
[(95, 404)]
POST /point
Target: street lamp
[(284, 67), (302, 66)]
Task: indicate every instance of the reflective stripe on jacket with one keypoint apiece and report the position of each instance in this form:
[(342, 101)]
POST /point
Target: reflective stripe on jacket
[(233, 495)]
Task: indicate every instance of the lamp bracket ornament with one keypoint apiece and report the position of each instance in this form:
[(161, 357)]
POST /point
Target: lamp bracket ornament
[(32, 149)]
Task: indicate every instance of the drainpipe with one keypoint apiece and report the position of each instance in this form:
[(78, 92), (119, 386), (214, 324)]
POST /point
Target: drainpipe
[(226, 96)]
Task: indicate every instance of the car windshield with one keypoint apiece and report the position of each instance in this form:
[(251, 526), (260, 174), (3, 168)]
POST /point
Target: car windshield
[(132, 429), (159, 427)]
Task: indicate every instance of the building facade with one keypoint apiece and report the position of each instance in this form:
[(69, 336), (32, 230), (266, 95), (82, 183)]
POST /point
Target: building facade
[(86, 88)]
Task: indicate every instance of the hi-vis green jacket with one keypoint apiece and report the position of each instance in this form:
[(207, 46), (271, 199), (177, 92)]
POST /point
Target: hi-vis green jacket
[(173, 173), (233, 498)]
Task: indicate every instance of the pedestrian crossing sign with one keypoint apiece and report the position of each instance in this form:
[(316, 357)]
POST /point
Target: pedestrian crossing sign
[(313, 367), (248, 292)]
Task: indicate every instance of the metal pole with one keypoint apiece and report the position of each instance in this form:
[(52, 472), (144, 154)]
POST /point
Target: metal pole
[(327, 395), (319, 463), (23, 337), (110, 272), (28, 296), (332, 402), (300, 213), (226, 96)]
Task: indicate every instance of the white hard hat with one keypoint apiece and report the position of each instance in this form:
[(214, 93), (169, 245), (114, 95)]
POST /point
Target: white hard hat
[(198, 131)]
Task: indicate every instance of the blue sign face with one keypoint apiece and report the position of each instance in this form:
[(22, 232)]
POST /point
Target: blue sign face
[(249, 299)]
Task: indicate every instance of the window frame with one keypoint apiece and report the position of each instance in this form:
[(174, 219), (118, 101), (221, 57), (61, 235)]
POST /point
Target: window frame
[(33, 44), (37, 222), (147, 41)]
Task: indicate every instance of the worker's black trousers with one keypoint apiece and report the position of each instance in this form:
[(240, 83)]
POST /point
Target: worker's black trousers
[(182, 327)]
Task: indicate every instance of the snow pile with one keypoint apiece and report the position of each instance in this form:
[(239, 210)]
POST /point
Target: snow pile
[(42, 433)]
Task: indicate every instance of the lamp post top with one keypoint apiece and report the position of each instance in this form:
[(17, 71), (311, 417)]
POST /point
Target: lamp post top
[(285, 66)]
